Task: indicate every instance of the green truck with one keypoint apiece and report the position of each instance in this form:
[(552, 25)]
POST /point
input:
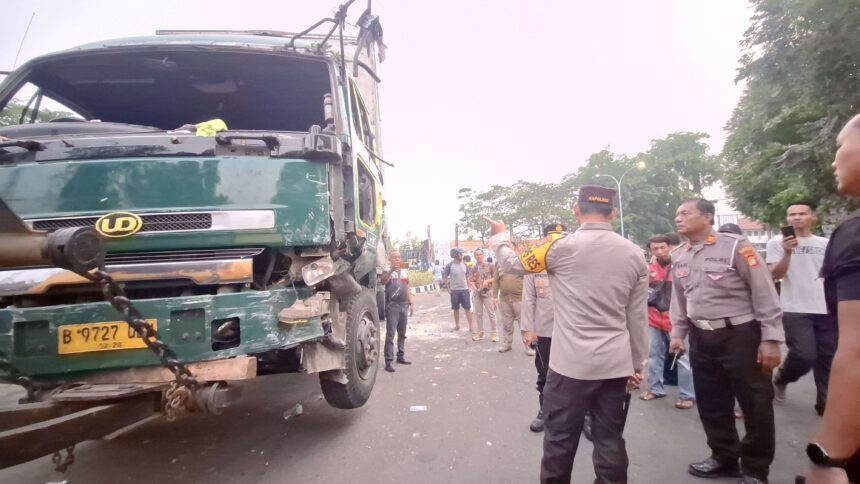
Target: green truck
[(236, 180)]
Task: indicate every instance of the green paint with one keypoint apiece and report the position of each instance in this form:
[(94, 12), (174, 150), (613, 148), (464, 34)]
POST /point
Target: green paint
[(185, 323), (297, 190)]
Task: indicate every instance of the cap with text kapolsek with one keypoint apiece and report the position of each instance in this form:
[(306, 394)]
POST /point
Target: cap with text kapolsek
[(596, 194)]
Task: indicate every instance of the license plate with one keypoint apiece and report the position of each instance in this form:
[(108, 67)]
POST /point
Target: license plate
[(85, 338)]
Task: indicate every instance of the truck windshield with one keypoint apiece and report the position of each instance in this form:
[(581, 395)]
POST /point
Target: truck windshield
[(171, 88)]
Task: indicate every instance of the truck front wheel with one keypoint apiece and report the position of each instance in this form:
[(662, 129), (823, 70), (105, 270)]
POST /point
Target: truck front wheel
[(362, 354)]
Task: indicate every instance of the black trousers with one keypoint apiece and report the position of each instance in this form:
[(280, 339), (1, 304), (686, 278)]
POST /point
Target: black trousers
[(396, 315), (566, 401), (544, 345), (725, 368), (811, 341)]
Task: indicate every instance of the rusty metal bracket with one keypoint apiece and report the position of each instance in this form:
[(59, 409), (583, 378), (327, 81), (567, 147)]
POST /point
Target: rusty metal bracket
[(104, 392)]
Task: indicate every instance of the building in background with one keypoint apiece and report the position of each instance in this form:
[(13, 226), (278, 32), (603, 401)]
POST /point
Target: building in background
[(756, 232)]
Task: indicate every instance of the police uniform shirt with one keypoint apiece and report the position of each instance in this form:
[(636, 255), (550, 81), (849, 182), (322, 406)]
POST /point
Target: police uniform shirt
[(721, 278), (537, 309), (508, 287), (600, 293)]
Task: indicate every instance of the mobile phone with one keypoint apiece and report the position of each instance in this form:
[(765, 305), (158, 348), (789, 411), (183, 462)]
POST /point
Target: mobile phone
[(788, 231)]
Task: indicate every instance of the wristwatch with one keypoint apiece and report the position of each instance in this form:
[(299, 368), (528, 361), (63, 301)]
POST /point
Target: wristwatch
[(819, 457)]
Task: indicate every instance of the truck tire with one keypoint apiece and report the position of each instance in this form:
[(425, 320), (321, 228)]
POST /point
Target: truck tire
[(362, 354)]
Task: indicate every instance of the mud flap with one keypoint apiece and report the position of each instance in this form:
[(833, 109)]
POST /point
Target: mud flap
[(319, 356)]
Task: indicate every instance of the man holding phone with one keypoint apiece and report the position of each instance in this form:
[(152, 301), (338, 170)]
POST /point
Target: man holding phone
[(810, 333)]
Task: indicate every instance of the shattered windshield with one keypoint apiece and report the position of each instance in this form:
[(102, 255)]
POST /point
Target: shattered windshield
[(171, 88)]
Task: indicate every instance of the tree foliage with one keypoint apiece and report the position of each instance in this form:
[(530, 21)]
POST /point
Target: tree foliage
[(800, 67), (11, 114), (676, 167)]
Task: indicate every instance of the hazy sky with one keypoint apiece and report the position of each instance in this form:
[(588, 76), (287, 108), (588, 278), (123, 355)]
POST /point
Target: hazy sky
[(476, 93)]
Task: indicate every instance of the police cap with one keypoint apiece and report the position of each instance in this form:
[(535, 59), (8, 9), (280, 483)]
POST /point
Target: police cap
[(596, 194), (553, 228), (730, 229)]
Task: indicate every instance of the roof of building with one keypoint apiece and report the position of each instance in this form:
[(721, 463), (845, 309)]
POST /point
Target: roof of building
[(750, 224), (469, 245)]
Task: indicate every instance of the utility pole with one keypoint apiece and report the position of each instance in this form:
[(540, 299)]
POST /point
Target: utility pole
[(456, 235), (431, 251), (640, 165)]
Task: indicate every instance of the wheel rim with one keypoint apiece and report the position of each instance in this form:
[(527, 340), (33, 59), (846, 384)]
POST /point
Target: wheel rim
[(367, 346)]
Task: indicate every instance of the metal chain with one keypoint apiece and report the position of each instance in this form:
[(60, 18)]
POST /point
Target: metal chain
[(62, 465), (178, 397), (15, 376)]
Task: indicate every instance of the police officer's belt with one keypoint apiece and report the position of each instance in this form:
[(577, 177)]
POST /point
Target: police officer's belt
[(712, 324)]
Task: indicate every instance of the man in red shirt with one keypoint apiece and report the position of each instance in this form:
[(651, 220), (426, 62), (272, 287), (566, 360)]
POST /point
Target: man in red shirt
[(659, 327)]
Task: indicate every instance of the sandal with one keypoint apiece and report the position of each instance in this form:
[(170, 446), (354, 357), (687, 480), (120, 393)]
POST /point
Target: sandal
[(684, 404), (647, 396)]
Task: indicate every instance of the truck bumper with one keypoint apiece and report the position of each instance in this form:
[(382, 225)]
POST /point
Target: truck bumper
[(29, 337)]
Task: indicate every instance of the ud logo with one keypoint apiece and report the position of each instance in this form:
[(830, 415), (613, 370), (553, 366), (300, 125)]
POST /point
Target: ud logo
[(119, 224)]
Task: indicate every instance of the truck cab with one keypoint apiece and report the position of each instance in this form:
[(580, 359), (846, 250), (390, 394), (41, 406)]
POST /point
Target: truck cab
[(236, 179)]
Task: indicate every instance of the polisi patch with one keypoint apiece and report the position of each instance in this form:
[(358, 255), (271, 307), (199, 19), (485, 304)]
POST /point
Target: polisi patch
[(119, 224), (749, 255)]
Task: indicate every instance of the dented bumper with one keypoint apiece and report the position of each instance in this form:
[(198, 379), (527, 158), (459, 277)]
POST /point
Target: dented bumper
[(30, 336)]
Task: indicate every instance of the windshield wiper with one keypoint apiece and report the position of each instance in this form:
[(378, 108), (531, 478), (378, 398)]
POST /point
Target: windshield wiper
[(27, 144)]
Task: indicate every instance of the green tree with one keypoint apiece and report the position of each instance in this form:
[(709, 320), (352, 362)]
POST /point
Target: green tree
[(11, 114), (800, 67), (413, 244), (493, 203), (676, 167), (535, 205)]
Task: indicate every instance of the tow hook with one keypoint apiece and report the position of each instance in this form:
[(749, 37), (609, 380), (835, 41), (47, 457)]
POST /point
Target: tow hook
[(214, 398)]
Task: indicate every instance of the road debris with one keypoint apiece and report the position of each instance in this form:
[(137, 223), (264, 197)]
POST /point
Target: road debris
[(293, 412), (418, 408)]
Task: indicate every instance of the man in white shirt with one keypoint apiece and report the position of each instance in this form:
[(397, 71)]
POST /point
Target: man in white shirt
[(810, 332)]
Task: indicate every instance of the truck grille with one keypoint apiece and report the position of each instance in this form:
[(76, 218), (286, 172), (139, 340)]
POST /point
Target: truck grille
[(166, 222), (181, 256)]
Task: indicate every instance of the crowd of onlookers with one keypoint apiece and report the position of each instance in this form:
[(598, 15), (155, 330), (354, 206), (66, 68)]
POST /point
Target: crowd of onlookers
[(708, 307)]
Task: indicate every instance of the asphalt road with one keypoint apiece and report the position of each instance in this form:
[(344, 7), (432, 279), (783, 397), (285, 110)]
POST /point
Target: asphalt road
[(474, 429)]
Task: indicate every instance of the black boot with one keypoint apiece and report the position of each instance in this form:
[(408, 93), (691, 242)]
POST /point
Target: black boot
[(388, 367), (403, 361), (752, 480), (537, 423), (711, 468)]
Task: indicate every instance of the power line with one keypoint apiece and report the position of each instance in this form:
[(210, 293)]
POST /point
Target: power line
[(23, 38)]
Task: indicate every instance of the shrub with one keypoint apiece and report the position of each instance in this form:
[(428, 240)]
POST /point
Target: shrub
[(419, 278)]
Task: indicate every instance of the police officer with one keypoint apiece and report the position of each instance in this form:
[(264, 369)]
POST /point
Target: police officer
[(724, 298), (536, 321), (600, 292)]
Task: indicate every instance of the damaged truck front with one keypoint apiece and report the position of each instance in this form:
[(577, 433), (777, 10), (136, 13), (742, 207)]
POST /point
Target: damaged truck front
[(236, 180)]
